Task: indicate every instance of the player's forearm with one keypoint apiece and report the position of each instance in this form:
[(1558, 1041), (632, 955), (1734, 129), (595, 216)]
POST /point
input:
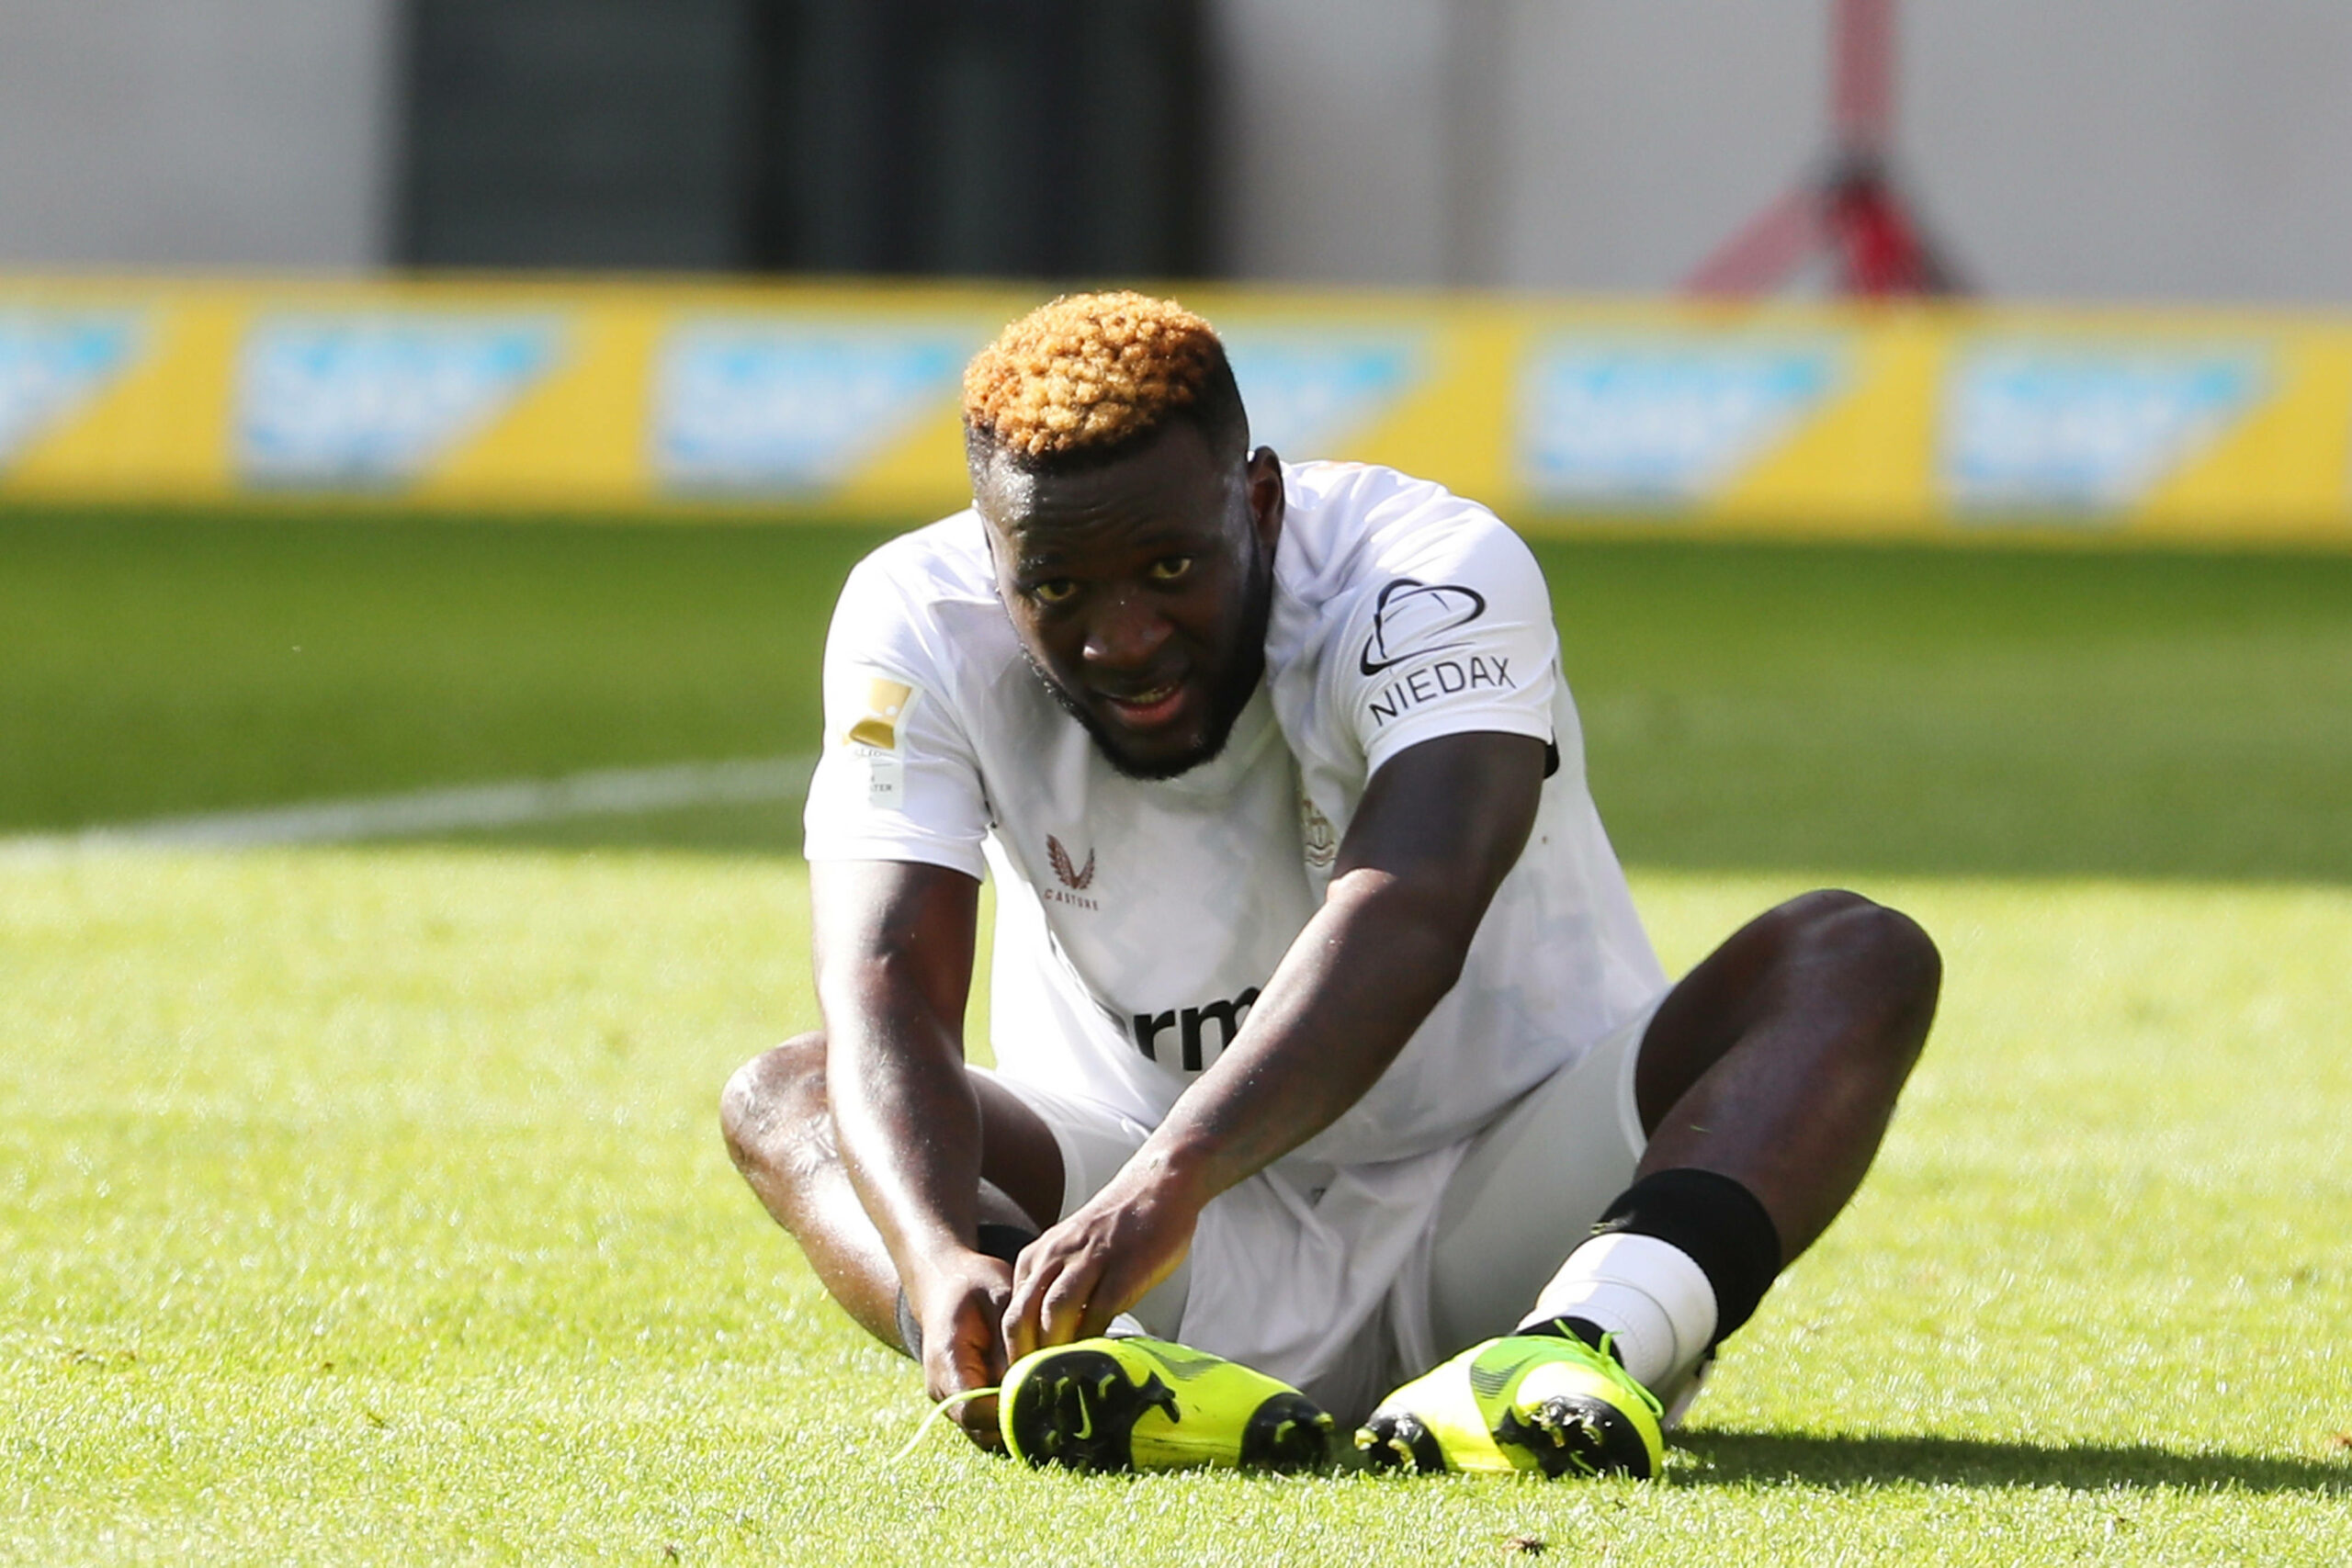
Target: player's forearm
[(1360, 979), (908, 1124), (894, 968)]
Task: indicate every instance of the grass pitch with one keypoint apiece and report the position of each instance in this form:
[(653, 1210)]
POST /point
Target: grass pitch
[(2018, 713), (367, 1205)]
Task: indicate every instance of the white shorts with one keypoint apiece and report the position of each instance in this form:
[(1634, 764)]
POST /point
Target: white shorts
[(1525, 1193)]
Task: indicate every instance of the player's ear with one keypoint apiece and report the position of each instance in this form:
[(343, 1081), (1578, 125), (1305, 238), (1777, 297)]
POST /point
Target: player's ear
[(1262, 476)]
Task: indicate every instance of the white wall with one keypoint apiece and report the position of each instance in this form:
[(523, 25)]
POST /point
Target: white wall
[(174, 133), (2202, 150), (1330, 144), (2157, 149)]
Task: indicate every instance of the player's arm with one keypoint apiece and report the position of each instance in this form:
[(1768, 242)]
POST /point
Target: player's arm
[(894, 949), (1441, 824)]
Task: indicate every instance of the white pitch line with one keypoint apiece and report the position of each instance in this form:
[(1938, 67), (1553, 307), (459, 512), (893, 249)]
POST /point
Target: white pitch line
[(611, 792)]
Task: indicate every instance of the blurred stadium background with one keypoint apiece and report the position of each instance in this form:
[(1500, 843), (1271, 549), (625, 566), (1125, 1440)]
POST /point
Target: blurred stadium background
[(2183, 151)]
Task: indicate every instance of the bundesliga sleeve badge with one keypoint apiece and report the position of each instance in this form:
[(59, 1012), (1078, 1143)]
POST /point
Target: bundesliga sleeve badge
[(878, 738)]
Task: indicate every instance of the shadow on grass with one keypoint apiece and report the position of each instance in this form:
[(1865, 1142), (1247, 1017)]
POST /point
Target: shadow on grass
[(1774, 1458)]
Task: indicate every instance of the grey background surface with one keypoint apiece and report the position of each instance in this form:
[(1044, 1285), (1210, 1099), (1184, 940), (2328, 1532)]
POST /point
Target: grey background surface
[(2162, 150)]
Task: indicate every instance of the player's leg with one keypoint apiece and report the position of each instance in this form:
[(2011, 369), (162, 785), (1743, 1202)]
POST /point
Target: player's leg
[(1731, 1127), (1777, 1061), (1765, 1084), (779, 1127), (1526, 1191)]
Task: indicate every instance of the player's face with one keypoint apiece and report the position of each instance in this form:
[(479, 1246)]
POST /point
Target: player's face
[(1140, 591)]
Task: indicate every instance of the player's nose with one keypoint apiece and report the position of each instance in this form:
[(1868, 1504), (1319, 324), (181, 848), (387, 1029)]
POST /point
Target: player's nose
[(1126, 632)]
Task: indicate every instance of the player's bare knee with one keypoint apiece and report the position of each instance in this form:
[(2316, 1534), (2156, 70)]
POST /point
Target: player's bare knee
[(778, 1087), (1886, 951)]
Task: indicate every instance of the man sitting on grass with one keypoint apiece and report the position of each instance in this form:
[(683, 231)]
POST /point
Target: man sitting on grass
[(1329, 1047)]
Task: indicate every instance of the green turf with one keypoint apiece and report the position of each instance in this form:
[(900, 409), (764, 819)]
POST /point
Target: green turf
[(1896, 710), (366, 1206), (179, 663)]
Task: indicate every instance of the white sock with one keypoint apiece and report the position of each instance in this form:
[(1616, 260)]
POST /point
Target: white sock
[(1648, 1294), (1124, 1326)]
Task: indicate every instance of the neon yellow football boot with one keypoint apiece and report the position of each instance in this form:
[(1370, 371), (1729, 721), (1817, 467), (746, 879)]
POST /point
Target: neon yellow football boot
[(1527, 1402), (1142, 1404)]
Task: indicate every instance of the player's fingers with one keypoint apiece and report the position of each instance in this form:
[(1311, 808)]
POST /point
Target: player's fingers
[(993, 1351), (978, 1418), (1061, 1309), (1032, 1271), (1021, 1314), (968, 1367), (1105, 1305)]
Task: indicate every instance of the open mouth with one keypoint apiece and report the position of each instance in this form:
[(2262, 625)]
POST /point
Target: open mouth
[(1150, 708)]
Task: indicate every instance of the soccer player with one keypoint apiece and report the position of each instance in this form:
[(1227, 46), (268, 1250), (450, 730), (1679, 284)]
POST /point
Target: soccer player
[(1330, 1051)]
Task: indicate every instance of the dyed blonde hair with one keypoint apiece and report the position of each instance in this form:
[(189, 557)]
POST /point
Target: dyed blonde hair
[(1090, 373)]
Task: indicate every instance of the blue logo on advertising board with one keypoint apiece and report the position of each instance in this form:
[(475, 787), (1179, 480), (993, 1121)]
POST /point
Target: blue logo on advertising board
[(1309, 393), (1659, 420), (50, 364), (2064, 427), (751, 406), (369, 401)]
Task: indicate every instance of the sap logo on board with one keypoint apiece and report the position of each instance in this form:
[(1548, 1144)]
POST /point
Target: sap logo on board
[(1190, 1025), (756, 405), (1310, 393), (2068, 427), (1658, 420), (374, 400), (52, 364)]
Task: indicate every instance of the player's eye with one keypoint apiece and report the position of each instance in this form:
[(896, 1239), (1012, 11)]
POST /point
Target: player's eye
[(1170, 568), (1053, 591)]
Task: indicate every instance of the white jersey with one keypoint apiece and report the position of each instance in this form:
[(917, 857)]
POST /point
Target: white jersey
[(1138, 922)]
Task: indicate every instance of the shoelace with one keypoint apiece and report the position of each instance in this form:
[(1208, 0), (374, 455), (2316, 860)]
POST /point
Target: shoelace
[(932, 1418), (1606, 1358)]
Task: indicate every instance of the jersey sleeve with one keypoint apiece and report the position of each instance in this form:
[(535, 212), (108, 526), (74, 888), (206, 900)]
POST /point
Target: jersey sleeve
[(896, 779), (1452, 633)]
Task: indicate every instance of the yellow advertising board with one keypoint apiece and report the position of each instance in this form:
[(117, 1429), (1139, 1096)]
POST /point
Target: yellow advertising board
[(792, 400)]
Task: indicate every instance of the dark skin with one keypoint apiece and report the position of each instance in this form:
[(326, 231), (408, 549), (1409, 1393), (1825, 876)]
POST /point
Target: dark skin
[(1777, 1061)]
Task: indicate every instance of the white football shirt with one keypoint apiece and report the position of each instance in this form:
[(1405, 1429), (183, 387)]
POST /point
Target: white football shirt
[(1137, 922)]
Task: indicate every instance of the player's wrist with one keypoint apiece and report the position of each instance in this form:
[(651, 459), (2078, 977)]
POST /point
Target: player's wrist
[(1178, 1172), (949, 1270)]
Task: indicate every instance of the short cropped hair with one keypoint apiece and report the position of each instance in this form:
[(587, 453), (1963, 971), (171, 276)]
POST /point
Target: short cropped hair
[(1089, 375)]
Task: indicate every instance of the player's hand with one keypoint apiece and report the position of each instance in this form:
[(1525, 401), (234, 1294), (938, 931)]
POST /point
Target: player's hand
[(1071, 1282), (961, 1308)]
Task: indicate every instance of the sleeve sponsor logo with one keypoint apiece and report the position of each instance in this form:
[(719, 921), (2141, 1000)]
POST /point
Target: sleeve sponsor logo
[(371, 400), (1442, 678), (2075, 427), (1413, 618), (1415, 622), (50, 364)]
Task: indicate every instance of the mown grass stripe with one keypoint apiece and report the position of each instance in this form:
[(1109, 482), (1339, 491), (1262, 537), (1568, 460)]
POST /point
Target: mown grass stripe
[(609, 792)]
